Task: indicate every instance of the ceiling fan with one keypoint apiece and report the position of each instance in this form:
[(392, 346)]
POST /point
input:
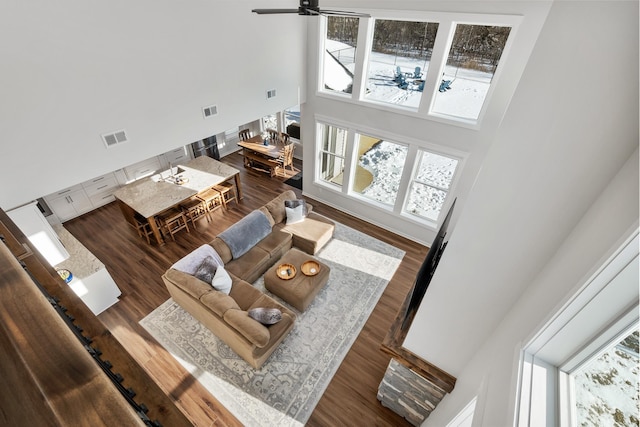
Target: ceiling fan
[(310, 7)]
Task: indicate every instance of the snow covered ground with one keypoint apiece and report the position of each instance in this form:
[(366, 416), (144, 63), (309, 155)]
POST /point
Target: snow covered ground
[(464, 99), (607, 388)]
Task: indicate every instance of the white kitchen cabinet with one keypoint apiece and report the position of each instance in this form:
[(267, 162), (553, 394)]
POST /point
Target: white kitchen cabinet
[(81, 198), (141, 169), (175, 157), (100, 190), (69, 203)]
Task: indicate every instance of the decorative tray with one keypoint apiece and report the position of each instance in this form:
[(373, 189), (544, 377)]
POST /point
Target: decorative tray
[(286, 271), (310, 268)]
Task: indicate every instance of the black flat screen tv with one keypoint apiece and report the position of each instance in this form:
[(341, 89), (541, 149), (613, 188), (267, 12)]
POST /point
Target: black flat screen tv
[(428, 268)]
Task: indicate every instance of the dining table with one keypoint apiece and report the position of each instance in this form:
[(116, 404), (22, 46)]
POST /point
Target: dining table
[(155, 194), (254, 149)]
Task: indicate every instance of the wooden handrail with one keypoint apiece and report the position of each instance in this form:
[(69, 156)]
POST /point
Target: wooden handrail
[(50, 377)]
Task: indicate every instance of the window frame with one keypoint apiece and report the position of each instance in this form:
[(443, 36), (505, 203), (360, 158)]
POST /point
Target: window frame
[(416, 165), (546, 362), (409, 170), (446, 28), (320, 127), (354, 163)]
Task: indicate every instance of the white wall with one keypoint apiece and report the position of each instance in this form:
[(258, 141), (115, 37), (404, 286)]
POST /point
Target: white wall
[(544, 209), (74, 70)]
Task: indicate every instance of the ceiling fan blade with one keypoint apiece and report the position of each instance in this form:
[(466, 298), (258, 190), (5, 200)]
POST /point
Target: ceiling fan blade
[(344, 13), (273, 11)]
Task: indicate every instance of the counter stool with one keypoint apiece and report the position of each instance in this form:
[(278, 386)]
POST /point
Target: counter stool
[(212, 200), (143, 227), (194, 210), (228, 193), (172, 220)]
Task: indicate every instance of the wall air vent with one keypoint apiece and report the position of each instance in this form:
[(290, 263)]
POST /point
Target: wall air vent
[(271, 93), (209, 111), (115, 138)]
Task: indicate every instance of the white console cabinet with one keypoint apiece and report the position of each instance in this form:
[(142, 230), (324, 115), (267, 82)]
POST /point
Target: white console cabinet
[(34, 225), (91, 281)]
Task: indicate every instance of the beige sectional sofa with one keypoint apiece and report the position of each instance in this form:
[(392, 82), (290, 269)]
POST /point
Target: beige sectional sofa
[(247, 249)]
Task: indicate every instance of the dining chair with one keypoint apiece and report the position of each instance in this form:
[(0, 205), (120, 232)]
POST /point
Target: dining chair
[(286, 159), (284, 138), (273, 136), (244, 134)]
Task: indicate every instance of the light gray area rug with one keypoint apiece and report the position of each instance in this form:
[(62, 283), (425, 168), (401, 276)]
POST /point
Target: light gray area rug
[(289, 385)]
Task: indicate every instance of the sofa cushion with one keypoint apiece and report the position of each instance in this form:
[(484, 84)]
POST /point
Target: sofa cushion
[(188, 283), (251, 329), (311, 234), (276, 206), (254, 260), (222, 249), (244, 234), (266, 212), (218, 302), (275, 243)]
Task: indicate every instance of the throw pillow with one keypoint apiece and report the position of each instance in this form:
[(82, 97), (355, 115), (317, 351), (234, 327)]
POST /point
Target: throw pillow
[(266, 316), (206, 270), (295, 203), (222, 281), (294, 215)]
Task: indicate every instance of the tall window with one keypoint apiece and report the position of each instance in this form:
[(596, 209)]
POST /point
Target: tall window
[(430, 185), (340, 53), (472, 62), (379, 168), (606, 389), (332, 154), (399, 61)]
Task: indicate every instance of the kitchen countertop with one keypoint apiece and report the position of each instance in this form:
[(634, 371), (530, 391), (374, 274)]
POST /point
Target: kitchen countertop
[(151, 195), (81, 262)]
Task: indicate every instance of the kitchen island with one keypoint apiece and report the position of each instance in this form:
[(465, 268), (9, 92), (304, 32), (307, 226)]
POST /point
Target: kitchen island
[(152, 195)]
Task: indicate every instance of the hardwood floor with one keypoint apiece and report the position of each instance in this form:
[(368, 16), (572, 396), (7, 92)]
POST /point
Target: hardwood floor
[(350, 398)]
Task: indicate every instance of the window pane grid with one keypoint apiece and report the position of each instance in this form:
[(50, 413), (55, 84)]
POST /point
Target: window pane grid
[(430, 185), (399, 60), (379, 169), (332, 155)]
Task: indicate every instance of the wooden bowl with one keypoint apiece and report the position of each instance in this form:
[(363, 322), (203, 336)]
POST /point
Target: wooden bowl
[(286, 271), (310, 268)]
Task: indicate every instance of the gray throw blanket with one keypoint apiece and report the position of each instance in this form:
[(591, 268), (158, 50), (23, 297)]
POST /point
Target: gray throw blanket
[(244, 234)]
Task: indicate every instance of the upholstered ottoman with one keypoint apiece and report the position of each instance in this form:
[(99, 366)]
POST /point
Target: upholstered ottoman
[(301, 289)]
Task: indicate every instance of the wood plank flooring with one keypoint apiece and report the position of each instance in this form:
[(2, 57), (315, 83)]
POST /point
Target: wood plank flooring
[(350, 398)]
